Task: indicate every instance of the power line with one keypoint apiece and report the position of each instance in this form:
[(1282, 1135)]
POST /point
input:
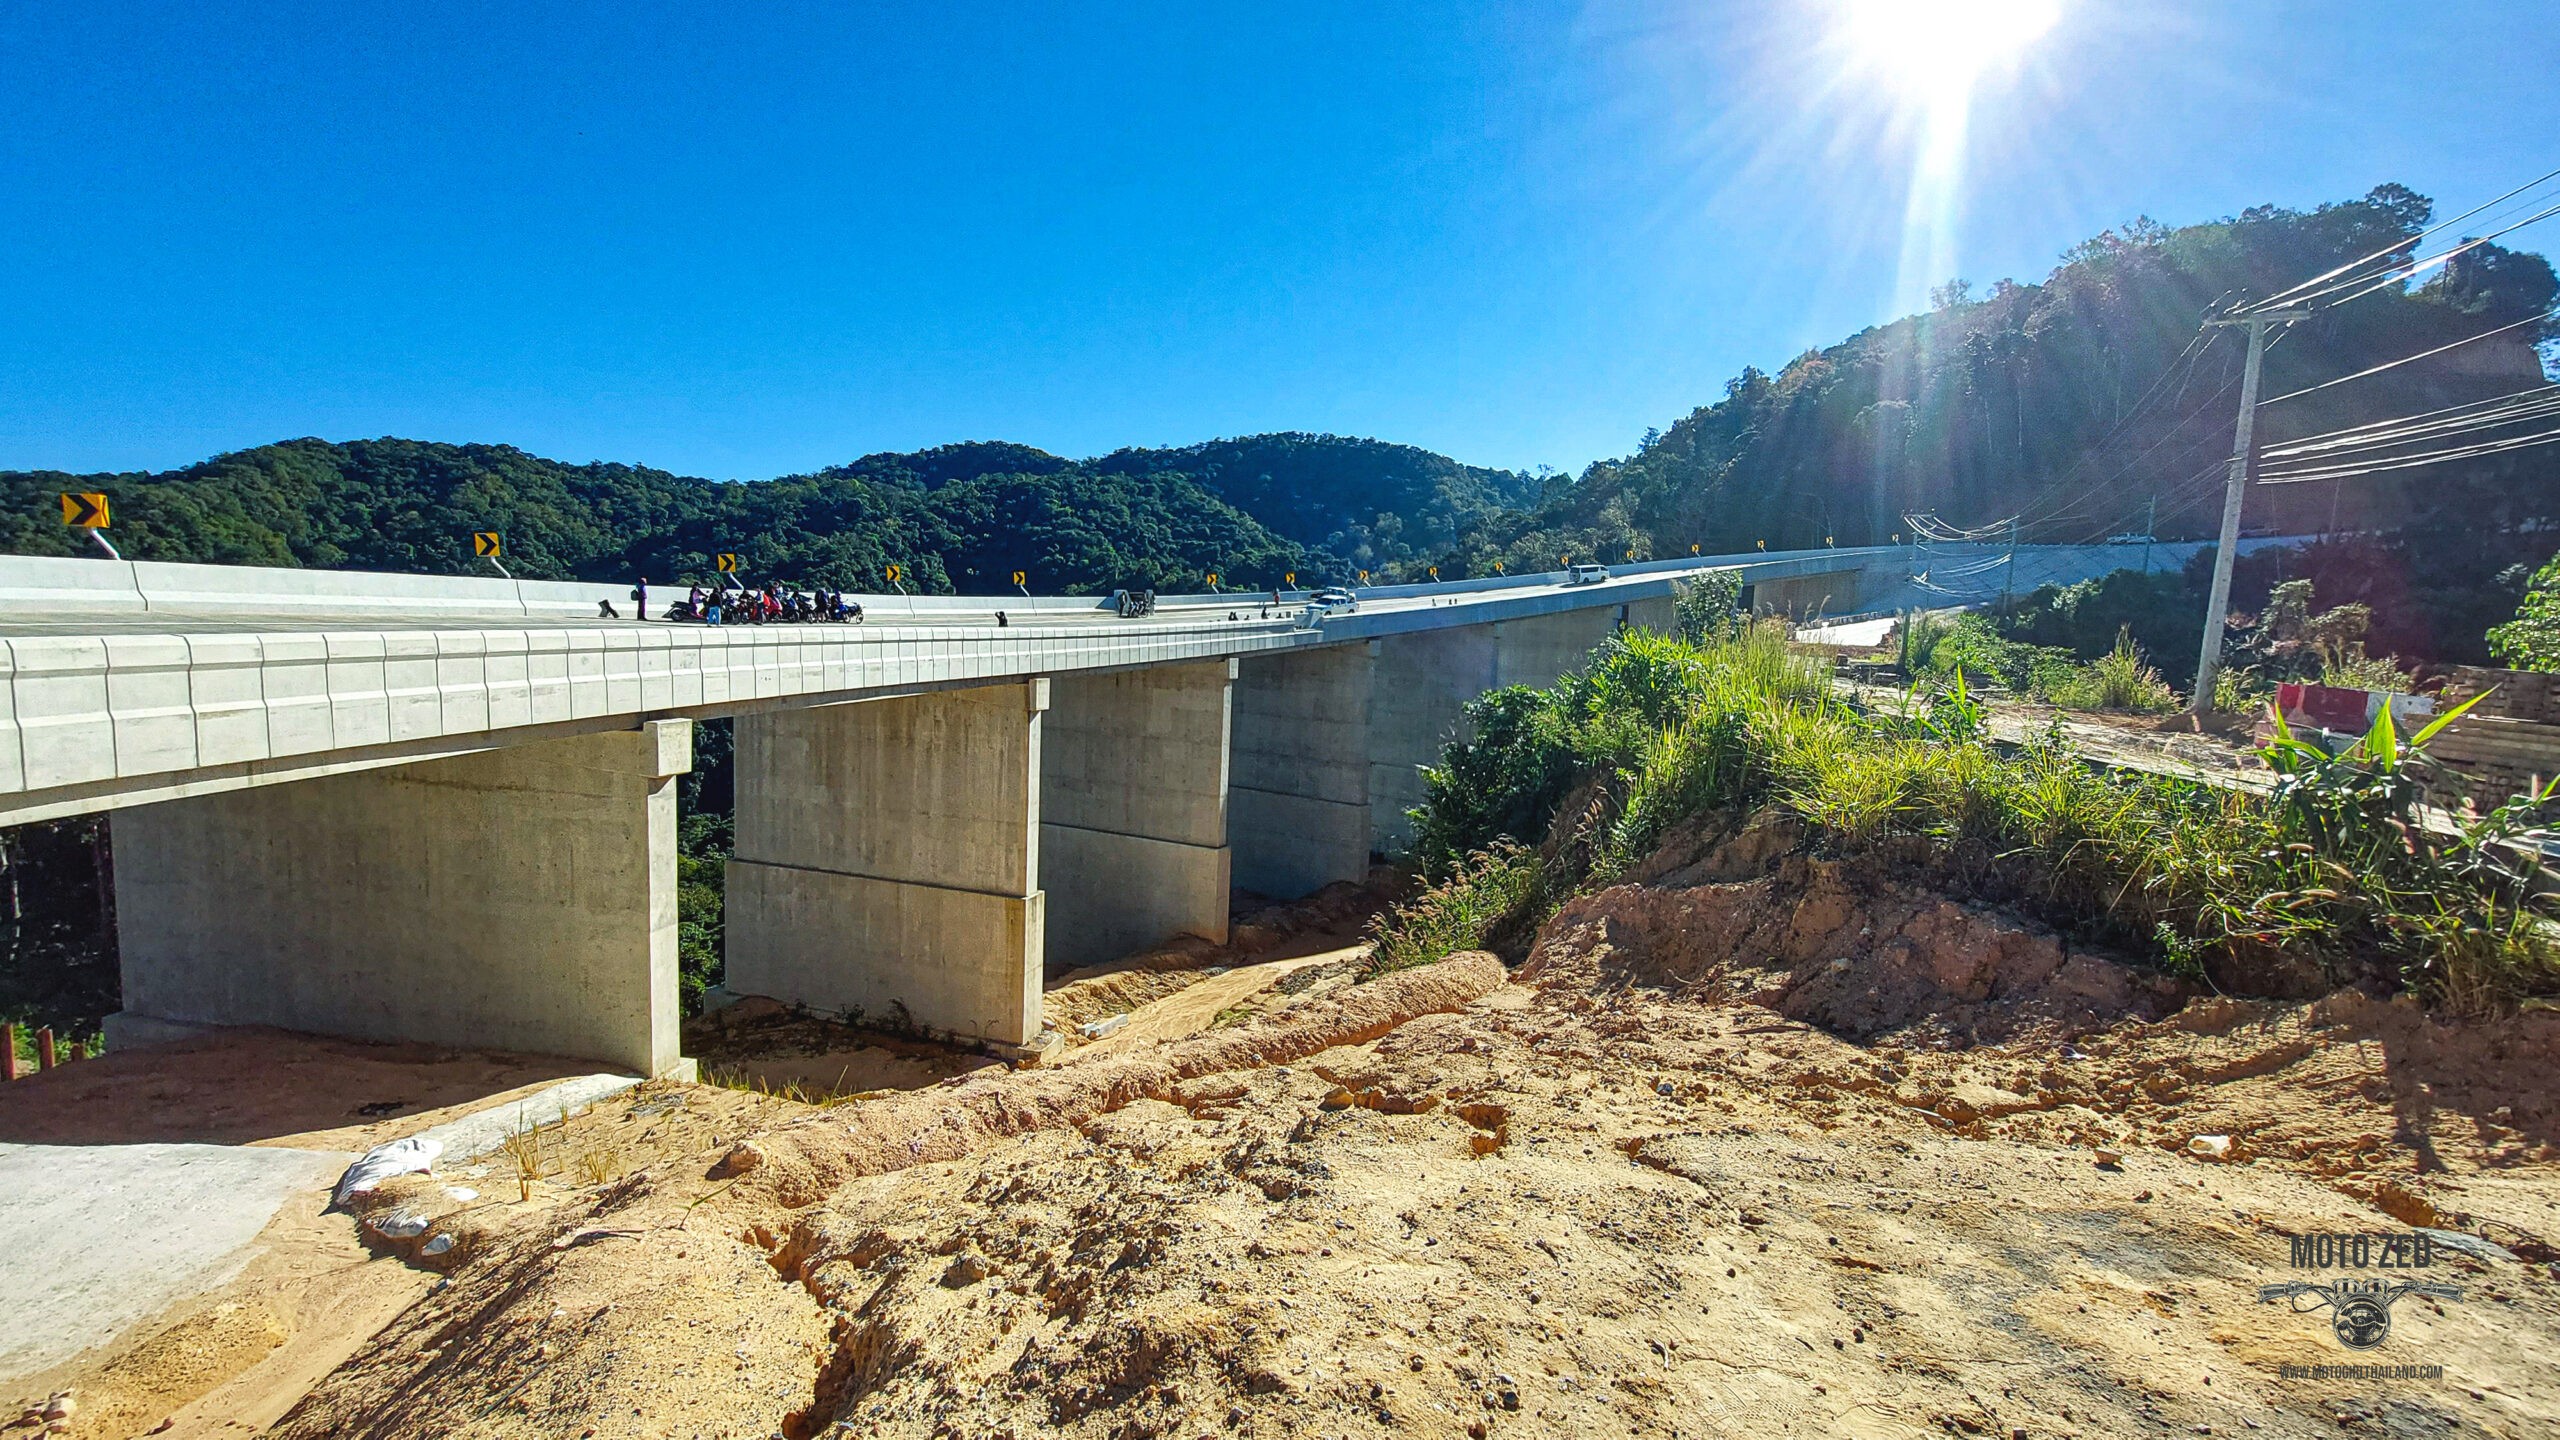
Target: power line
[(2401, 275), (2425, 426), (2396, 364), (2126, 465), (2193, 353), (2512, 395), (2389, 250), (2167, 499), (2411, 462)]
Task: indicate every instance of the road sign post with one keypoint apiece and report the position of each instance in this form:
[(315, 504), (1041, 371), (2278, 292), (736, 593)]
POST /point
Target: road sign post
[(87, 510), (488, 545)]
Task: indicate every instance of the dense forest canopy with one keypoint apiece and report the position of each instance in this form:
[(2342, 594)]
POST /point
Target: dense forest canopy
[(2085, 404)]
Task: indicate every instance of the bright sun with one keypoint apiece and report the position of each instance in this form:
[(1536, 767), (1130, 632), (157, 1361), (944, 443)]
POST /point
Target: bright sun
[(1934, 51)]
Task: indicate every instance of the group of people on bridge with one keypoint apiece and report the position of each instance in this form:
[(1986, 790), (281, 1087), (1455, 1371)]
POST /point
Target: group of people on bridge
[(771, 604)]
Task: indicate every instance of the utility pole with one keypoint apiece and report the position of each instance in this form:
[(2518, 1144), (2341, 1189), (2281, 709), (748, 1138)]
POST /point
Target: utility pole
[(2008, 577), (2150, 529), (2243, 453)]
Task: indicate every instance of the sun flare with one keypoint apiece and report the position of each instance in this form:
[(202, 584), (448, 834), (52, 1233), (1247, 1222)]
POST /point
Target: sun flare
[(1936, 51)]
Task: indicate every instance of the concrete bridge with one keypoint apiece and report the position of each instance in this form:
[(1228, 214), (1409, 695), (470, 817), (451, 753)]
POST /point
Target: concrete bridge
[(443, 809)]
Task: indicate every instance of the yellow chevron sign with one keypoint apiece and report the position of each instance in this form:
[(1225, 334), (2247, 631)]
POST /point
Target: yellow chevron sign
[(87, 510)]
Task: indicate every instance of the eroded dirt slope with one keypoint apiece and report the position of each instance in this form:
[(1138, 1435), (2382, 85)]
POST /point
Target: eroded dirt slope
[(1732, 1154)]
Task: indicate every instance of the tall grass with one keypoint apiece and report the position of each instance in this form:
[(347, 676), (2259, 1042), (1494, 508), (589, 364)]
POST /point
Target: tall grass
[(2117, 680), (1484, 899), (1656, 731)]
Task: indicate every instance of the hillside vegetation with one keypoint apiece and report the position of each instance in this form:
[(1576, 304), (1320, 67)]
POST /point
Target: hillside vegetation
[(2074, 403), (1663, 745)]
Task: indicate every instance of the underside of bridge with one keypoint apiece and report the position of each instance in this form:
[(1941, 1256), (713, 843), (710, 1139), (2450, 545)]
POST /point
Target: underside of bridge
[(920, 861)]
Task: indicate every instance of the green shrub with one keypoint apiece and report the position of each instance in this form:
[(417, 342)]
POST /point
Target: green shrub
[(1709, 608), (1972, 644)]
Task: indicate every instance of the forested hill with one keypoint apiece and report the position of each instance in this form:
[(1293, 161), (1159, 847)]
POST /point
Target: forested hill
[(1372, 504), (2077, 402), (957, 517)]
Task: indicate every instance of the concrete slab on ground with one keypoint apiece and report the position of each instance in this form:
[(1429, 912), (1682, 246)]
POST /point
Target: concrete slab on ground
[(97, 1238)]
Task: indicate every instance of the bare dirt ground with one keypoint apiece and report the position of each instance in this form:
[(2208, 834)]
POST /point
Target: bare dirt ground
[(1741, 1151), (1758, 1146)]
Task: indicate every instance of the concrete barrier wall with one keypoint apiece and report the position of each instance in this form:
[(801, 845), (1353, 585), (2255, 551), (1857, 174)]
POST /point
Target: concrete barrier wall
[(74, 586)]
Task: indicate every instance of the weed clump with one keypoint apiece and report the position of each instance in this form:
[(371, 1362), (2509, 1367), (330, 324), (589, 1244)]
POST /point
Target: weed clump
[(1482, 900)]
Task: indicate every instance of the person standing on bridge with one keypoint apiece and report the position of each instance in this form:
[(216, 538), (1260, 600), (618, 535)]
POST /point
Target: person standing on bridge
[(640, 599)]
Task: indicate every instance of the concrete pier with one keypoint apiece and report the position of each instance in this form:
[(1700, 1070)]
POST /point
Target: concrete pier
[(522, 899), (887, 860), (1133, 809), (1298, 810)]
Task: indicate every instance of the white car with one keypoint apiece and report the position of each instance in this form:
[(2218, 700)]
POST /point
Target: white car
[(1585, 574)]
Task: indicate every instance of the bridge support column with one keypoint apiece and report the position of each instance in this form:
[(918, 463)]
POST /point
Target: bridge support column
[(1417, 703), (522, 899), (887, 860), (1133, 809), (1806, 596), (1299, 811)]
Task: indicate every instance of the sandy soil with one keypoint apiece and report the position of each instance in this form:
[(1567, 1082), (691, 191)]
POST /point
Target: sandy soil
[(1726, 1156), (1720, 1159), (232, 1360)]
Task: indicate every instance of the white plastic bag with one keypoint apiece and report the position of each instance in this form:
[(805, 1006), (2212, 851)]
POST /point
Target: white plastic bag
[(399, 1157)]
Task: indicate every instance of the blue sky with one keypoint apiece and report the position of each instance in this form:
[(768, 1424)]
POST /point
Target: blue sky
[(740, 241)]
